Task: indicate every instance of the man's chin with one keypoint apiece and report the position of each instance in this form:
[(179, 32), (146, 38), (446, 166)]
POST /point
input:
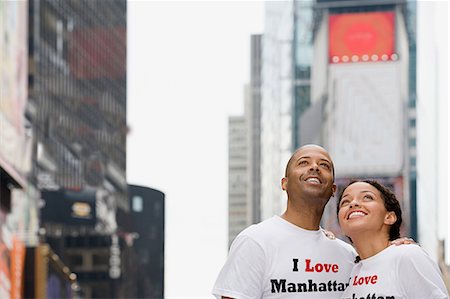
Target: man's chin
[(317, 198), (317, 192)]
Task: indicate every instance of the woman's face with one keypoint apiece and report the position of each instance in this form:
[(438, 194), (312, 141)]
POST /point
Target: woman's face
[(361, 210)]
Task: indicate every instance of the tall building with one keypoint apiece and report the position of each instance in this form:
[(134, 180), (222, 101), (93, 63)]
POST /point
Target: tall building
[(244, 152), (433, 207), (253, 117), (277, 118), (147, 223), (360, 79), (324, 60), (237, 176), (77, 110), (77, 94)]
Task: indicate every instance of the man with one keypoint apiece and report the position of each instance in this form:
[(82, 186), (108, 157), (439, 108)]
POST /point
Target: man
[(291, 256)]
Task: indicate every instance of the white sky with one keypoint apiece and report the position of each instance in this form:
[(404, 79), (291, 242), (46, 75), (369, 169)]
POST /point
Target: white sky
[(187, 66)]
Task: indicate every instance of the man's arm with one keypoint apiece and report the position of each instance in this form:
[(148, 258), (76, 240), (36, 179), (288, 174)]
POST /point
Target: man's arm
[(242, 275)]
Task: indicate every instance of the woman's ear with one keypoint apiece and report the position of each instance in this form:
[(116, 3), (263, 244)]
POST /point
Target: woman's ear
[(390, 218)]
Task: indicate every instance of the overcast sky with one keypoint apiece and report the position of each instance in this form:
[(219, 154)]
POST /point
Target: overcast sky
[(187, 66)]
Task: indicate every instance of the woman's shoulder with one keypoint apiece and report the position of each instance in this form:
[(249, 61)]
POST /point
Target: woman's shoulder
[(407, 250), (410, 253)]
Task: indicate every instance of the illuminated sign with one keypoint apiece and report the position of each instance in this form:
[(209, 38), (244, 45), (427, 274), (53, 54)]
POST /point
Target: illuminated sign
[(69, 207), (81, 210), (361, 37)]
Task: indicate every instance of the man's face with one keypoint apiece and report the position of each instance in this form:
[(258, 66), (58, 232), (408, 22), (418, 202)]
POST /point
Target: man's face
[(310, 174)]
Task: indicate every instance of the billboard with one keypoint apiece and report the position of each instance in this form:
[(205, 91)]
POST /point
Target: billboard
[(364, 119), (359, 37), (15, 149), (69, 207)]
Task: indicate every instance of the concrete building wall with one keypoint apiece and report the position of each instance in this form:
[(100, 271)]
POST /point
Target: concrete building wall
[(237, 176), (432, 127), (276, 115)]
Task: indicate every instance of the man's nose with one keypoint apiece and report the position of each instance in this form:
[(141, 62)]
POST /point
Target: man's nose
[(314, 166)]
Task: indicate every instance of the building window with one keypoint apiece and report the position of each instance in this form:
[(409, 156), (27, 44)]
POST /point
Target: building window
[(412, 162), (137, 204)]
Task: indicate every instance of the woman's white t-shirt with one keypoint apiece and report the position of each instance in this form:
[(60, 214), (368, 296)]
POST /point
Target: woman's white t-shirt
[(398, 272)]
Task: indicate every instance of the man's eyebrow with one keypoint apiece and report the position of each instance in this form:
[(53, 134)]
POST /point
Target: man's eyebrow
[(302, 157)]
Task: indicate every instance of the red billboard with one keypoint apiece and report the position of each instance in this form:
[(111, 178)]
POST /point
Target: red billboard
[(361, 37)]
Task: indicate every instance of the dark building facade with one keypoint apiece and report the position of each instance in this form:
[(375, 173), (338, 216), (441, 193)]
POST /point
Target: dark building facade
[(77, 110), (147, 221)]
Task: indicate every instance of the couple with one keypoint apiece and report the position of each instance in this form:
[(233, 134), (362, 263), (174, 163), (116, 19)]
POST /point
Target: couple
[(292, 257)]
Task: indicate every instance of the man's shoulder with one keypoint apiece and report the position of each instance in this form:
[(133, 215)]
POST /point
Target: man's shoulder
[(260, 232), (344, 245), (336, 244), (262, 228)]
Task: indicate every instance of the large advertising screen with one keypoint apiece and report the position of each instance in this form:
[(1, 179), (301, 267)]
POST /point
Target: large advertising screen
[(360, 37), (365, 120)]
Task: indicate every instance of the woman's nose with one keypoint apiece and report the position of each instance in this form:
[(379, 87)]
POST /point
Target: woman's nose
[(354, 203)]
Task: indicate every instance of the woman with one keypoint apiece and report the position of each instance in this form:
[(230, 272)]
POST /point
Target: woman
[(370, 215)]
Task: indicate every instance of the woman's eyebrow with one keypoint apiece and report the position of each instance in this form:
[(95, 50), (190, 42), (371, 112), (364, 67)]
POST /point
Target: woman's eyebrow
[(367, 191)]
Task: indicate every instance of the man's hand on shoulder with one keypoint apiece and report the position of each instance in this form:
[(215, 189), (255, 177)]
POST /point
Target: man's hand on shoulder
[(329, 234), (403, 241)]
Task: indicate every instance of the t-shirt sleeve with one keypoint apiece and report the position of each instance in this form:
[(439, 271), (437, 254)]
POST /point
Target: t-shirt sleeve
[(243, 272), (419, 275)]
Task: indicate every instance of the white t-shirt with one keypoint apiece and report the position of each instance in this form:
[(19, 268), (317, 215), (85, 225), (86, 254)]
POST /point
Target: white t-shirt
[(277, 259), (398, 272)]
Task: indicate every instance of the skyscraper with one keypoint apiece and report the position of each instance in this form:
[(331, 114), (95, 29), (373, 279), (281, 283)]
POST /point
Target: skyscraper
[(277, 135), (253, 116), (433, 207), (310, 88), (77, 109), (237, 176), (244, 152)]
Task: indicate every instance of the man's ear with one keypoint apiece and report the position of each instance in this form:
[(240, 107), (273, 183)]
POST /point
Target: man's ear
[(390, 218), (334, 189), (284, 183)]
